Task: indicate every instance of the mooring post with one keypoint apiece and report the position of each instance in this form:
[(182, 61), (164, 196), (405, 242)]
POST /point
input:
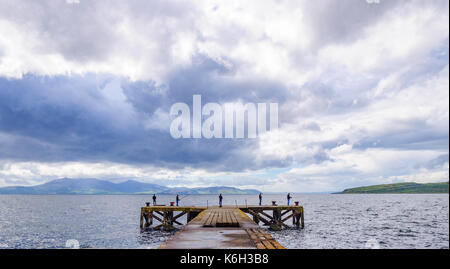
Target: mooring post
[(142, 219)]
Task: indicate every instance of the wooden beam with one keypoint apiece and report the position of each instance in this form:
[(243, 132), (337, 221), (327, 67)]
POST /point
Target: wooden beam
[(266, 215), (157, 218), (179, 215), (161, 214), (256, 215), (284, 213), (179, 223), (290, 216)]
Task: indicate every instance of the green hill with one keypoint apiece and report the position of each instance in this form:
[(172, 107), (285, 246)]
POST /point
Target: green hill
[(408, 187)]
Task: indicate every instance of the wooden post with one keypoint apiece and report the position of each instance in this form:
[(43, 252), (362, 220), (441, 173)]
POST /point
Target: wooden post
[(142, 220), (293, 217), (302, 218), (164, 218), (188, 217), (276, 215), (167, 223), (170, 217), (255, 219), (146, 220), (276, 220)]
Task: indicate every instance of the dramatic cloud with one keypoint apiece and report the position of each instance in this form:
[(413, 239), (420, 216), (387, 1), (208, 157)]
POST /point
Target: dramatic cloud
[(86, 88)]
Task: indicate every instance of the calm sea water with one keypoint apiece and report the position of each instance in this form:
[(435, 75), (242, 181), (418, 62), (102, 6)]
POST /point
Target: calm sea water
[(331, 221)]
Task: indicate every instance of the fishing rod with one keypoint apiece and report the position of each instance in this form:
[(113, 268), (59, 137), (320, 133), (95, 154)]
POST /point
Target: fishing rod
[(184, 196)]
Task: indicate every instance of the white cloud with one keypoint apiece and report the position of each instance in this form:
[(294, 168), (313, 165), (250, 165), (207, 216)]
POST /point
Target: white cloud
[(267, 38), (72, 2), (403, 36), (424, 105), (33, 173), (351, 167)]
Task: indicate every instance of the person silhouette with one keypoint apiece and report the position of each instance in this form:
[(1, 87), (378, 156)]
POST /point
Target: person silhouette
[(220, 200), (177, 199), (260, 199), (154, 199), (288, 198)]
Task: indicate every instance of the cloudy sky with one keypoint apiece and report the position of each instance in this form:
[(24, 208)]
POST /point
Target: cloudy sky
[(363, 91)]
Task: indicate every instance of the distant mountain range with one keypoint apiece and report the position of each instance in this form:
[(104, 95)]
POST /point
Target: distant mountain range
[(408, 187), (96, 186)]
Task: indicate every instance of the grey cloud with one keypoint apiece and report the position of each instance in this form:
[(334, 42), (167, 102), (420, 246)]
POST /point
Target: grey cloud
[(438, 162), (79, 32), (71, 119), (90, 31), (343, 21)]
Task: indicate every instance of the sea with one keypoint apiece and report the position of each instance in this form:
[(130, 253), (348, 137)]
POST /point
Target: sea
[(332, 221)]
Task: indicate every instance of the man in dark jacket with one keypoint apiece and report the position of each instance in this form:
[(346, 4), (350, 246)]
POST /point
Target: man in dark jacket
[(289, 198)]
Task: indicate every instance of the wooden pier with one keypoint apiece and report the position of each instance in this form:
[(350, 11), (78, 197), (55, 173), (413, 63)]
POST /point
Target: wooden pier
[(222, 227)]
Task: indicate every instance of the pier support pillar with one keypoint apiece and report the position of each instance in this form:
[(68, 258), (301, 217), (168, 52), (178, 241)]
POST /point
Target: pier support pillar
[(167, 224), (188, 217), (148, 217), (276, 224), (302, 219), (255, 219)]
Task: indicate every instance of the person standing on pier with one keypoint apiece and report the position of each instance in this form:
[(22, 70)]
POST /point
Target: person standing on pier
[(154, 199), (289, 198), (177, 199), (260, 199), (220, 200)]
